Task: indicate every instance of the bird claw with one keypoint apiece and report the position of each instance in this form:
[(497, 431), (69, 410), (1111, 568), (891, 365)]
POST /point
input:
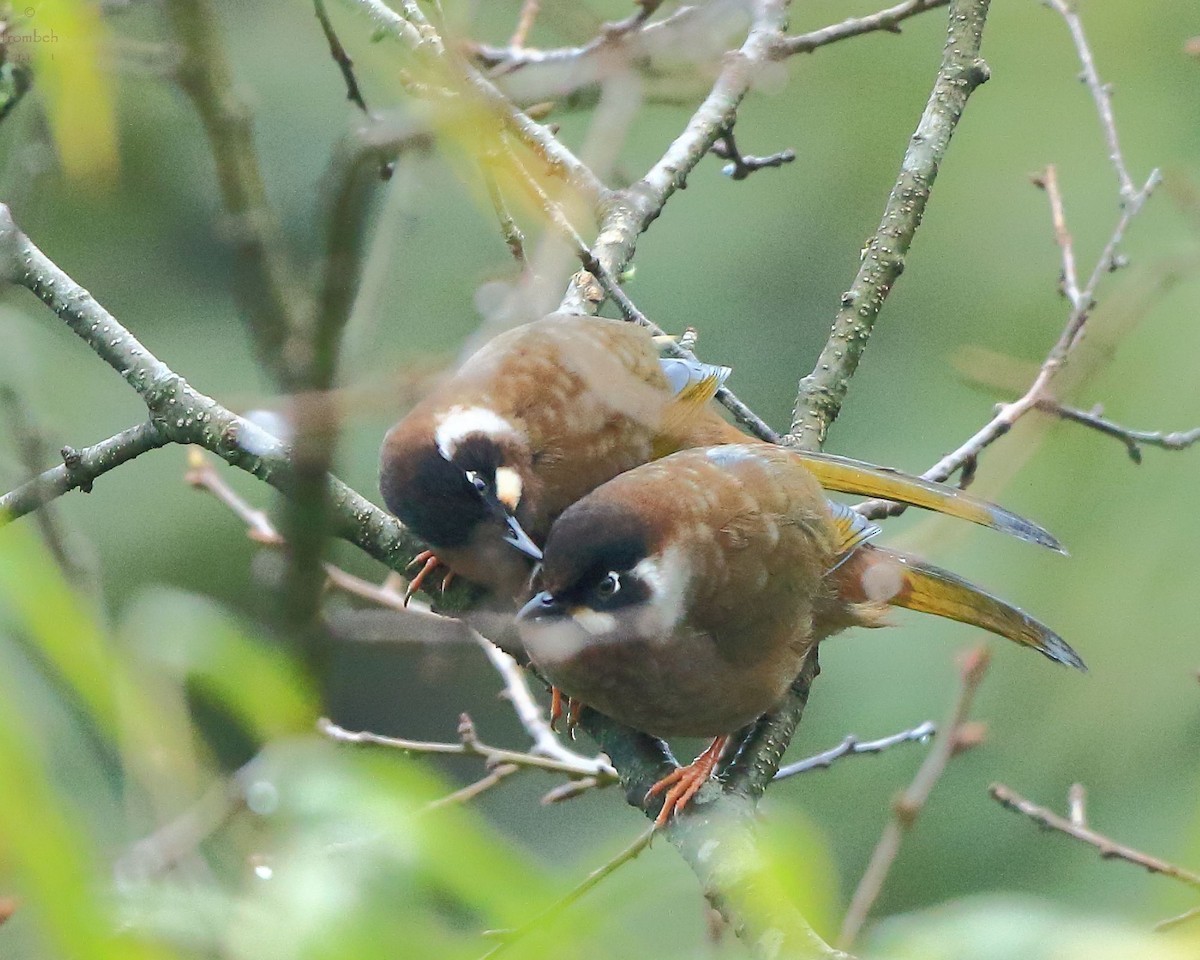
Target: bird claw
[(429, 563), (683, 783), (571, 711)]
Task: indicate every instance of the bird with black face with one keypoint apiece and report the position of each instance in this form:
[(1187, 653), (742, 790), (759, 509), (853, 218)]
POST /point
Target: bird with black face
[(681, 597), (547, 412)]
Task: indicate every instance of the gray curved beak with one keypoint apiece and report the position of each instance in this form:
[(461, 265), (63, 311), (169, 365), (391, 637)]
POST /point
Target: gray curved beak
[(542, 605), (515, 534)]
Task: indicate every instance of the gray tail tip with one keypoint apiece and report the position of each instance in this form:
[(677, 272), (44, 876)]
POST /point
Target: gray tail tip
[(1058, 650), (1033, 532)]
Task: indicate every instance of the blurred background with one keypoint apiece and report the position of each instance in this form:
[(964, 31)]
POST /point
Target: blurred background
[(177, 610)]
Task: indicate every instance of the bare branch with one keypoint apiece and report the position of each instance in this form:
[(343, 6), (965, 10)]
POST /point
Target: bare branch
[(1194, 914), (178, 412), (1048, 181), (529, 12), (414, 31), (887, 20), (80, 468), (1040, 393), (468, 746), (1107, 848), (340, 57), (1133, 439), (629, 212), (516, 56), (509, 937), (908, 806), (739, 166), (1101, 93), (472, 790), (853, 747), (962, 70)]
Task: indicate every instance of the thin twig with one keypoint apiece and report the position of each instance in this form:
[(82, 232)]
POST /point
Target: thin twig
[(629, 212), (468, 746), (413, 30), (909, 804), (509, 937), (853, 747), (1101, 93), (1048, 181), (1077, 805), (472, 790), (31, 442), (529, 12), (340, 57), (1081, 299), (1134, 440), (513, 237), (887, 20), (741, 166), (80, 468), (1172, 922), (1107, 848)]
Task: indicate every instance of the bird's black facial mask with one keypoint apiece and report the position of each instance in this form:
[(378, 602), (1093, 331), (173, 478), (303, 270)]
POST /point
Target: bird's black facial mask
[(497, 487)]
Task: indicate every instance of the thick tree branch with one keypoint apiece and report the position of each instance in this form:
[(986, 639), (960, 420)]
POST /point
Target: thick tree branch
[(962, 70), (181, 414)]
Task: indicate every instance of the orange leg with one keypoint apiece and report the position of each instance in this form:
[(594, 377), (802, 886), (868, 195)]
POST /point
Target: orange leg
[(574, 709), (682, 783), (568, 707), (556, 706), (429, 563)]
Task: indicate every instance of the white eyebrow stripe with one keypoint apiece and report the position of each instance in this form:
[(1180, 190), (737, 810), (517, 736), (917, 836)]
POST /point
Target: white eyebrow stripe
[(460, 422)]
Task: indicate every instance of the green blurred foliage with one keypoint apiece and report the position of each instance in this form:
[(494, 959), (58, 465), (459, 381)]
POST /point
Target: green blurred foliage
[(116, 716)]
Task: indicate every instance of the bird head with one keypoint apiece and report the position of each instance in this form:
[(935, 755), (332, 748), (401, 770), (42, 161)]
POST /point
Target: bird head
[(471, 478), (609, 575)]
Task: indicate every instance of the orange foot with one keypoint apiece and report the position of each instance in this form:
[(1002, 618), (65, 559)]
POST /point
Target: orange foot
[(682, 783), (429, 564), (573, 709)]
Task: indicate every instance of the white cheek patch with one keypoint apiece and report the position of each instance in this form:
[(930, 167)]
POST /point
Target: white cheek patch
[(508, 487), (553, 643), (594, 622), (460, 422), (666, 575)]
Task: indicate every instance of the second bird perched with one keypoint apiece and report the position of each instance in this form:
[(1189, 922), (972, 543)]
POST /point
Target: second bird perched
[(682, 597)]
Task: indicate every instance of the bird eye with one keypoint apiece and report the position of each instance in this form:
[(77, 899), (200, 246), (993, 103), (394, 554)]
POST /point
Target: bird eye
[(477, 481), (609, 586)]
